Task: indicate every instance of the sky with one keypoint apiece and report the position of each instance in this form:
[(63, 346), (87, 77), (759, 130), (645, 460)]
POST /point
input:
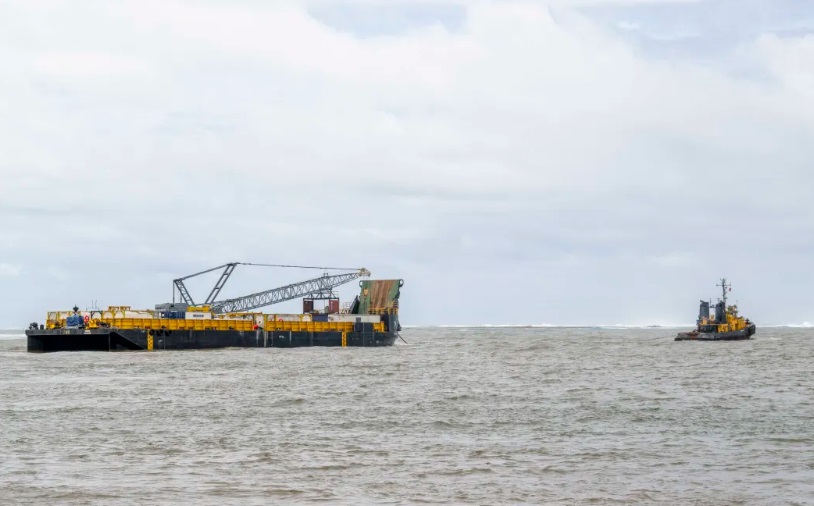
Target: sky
[(515, 162)]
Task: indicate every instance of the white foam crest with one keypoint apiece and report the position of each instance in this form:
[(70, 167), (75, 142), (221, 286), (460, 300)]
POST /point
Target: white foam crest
[(620, 326), (8, 335)]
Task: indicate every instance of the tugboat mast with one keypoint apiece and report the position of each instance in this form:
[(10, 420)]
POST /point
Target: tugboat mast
[(724, 286)]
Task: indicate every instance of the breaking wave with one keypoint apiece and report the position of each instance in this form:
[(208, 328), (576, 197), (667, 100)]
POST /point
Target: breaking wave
[(8, 335), (553, 326)]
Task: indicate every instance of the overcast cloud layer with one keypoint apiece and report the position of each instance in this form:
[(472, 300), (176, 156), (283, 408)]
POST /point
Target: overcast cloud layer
[(569, 162)]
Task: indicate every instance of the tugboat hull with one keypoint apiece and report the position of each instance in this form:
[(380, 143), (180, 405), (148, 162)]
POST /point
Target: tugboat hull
[(737, 335)]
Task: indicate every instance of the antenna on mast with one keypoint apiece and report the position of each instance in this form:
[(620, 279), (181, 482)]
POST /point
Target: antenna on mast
[(724, 286)]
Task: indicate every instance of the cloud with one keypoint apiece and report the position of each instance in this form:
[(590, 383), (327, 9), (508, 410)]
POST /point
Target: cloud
[(525, 152), (7, 270), (87, 66)]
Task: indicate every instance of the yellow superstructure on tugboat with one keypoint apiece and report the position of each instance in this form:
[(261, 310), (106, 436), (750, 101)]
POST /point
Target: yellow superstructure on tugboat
[(725, 325)]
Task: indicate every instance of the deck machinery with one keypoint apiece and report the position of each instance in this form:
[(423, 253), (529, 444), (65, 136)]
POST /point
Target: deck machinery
[(370, 320)]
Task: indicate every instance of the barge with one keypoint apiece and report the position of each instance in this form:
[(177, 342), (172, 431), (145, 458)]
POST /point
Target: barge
[(372, 319), (726, 324)]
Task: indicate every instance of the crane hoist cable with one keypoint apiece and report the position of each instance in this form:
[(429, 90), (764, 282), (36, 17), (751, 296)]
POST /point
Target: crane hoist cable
[(303, 267)]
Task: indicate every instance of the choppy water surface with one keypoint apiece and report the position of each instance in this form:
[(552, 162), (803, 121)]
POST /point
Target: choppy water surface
[(457, 416)]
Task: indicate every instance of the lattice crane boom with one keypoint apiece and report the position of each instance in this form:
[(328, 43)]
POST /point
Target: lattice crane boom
[(321, 284), (186, 297), (295, 290)]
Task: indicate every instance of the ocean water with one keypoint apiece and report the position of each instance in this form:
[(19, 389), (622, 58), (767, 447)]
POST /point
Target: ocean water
[(458, 415)]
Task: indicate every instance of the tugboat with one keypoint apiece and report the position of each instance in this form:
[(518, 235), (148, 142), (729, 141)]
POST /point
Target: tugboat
[(725, 325)]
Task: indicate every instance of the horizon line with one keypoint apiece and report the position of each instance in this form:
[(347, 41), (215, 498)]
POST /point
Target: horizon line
[(552, 326)]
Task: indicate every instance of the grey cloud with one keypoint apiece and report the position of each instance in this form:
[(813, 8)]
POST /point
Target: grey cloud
[(387, 19), (521, 168)]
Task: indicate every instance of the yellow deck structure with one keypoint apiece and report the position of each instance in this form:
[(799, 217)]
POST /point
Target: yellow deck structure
[(733, 321), (123, 317)]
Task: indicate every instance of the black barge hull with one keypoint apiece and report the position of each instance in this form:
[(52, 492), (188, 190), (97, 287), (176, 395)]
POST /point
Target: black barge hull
[(40, 341), (738, 335)]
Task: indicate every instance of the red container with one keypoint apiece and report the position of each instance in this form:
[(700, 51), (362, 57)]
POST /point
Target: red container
[(307, 306), (333, 305)]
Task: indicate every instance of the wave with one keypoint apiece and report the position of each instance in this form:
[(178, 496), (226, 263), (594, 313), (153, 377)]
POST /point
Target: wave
[(619, 326), (8, 335), (804, 325), (651, 326), (489, 325)]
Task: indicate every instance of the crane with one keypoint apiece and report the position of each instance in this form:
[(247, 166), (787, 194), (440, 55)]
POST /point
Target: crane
[(321, 284)]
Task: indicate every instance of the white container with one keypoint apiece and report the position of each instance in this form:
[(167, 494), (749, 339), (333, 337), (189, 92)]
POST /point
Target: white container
[(198, 315), (239, 317), (364, 318), (139, 313)]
